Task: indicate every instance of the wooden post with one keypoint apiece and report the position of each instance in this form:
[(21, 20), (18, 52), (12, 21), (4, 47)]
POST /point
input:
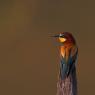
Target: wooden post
[(68, 86)]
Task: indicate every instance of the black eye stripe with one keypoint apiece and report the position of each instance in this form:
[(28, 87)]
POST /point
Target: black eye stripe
[(62, 36)]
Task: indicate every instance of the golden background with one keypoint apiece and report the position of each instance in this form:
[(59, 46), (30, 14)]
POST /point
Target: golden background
[(29, 57)]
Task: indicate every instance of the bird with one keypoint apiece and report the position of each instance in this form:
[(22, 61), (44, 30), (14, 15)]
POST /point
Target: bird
[(67, 79)]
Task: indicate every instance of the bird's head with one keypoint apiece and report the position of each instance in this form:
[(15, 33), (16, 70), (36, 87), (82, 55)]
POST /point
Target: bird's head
[(65, 37)]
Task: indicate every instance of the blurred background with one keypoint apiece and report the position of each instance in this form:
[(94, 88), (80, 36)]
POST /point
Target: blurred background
[(29, 57)]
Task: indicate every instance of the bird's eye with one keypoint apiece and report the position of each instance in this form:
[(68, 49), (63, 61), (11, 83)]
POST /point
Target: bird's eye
[(60, 35)]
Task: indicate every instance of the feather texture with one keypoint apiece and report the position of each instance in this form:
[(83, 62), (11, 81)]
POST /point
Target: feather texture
[(67, 83)]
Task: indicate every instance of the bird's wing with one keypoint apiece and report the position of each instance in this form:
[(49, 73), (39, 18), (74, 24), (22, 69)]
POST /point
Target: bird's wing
[(71, 60), (67, 66)]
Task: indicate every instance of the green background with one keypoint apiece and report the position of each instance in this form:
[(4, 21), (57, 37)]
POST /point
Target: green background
[(29, 57)]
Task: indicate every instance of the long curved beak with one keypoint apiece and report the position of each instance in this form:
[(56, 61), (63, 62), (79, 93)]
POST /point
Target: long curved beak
[(55, 36), (58, 36)]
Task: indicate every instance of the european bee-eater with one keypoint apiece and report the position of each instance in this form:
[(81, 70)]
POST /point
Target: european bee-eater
[(67, 83)]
